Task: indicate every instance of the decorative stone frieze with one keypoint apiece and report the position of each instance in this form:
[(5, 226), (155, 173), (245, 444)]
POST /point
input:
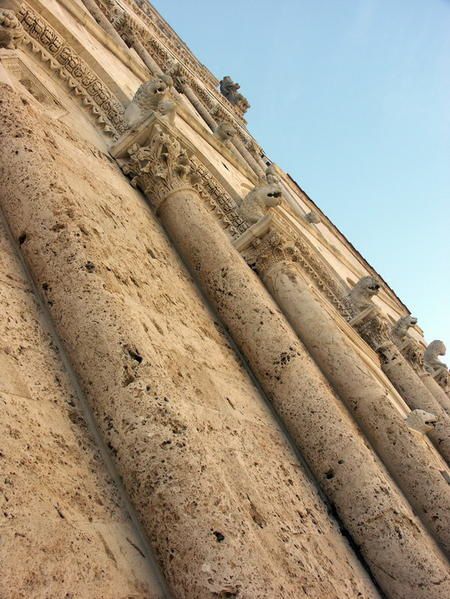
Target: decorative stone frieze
[(11, 31), (433, 365), (62, 60)]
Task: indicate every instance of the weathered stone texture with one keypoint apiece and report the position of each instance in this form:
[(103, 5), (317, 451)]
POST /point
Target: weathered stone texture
[(402, 556), (63, 532), (226, 505)]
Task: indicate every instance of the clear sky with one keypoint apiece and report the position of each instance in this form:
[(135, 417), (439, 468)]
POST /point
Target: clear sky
[(352, 99)]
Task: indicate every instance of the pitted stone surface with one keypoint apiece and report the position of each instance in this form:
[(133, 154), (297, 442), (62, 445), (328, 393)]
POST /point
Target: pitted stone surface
[(63, 531), (376, 514), (227, 507)]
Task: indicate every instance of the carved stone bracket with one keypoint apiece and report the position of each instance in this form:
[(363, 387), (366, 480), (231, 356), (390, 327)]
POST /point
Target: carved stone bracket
[(375, 330), (61, 59)]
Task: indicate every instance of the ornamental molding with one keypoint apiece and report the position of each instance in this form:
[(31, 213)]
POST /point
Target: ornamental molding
[(284, 243), (162, 42), (160, 161), (61, 59)]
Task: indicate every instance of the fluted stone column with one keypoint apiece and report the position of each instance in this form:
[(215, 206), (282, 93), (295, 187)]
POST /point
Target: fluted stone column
[(401, 555), (402, 451)]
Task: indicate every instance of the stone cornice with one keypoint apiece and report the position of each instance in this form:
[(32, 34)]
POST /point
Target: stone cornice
[(162, 40), (61, 59)]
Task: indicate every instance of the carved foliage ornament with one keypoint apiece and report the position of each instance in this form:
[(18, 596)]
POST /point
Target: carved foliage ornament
[(160, 167), (163, 165)]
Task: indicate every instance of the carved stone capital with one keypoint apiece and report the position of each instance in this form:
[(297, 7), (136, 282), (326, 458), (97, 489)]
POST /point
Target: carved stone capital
[(263, 253), (159, 159), (161, 166), (11, 30), (374, 328)]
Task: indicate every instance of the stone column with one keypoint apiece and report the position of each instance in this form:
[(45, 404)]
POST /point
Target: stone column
[(413, 390), (399, 552), (257, 168), (403, 452), (433, 386), (225, 503), (104, 22), (145, 56)]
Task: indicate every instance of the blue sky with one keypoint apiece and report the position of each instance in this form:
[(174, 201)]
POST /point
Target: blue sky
[(352, 98)]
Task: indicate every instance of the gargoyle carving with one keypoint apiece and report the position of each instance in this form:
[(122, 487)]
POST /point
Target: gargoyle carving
[(229, 89), (152, 96), (256, 204), (225, 132), (432, 363), (11, 31), (360, 297), (400, 328), (421, 421)]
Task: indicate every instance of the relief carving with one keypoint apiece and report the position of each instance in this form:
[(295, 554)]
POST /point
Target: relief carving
[(409, 347), (229, 89), (421, 421), (11, 31), (164, 163), (65, 62), (433, 365), (264, 196), (152, 96), (360, 297), (225, 132)]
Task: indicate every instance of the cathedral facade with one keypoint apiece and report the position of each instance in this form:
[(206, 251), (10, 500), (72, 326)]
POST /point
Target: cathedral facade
[(206, 391)]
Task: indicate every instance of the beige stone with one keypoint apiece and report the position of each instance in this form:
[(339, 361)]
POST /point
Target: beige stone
[(407, 457), (64, 529), (224, 501), (365, 498)]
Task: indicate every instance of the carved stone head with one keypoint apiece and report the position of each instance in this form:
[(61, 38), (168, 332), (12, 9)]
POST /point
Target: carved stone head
[(361, 295), (225, 132), (421, 421), (11, 31), (432, 363), (400, 328), (152, 96), (257, 203)]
